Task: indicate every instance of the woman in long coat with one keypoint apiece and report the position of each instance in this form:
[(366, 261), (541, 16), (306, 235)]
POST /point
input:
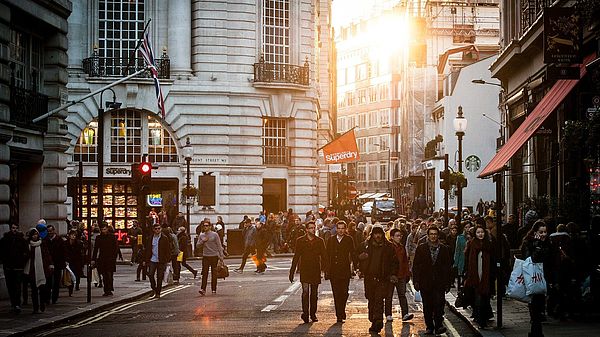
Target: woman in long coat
[(105, 258), (74, 257), (38, 268), (479, 261)]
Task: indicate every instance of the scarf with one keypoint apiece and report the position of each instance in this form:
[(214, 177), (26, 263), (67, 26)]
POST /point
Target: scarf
[(434, 250), (478, 262), (38, 266)]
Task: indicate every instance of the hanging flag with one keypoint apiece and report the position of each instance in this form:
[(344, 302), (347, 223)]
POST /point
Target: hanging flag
[(148, 55), (342, 149)]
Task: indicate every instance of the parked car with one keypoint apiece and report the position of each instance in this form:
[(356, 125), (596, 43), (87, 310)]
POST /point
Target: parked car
[(384, 209), (366, 208)]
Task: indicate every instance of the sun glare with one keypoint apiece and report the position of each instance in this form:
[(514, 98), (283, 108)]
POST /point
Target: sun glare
[(388, 36)]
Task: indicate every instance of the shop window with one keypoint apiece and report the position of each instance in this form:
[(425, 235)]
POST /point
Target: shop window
[(126, 136), (161, 147), (86, 149)]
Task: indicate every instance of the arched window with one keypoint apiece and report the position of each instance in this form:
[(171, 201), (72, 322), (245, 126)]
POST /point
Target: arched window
[(132, 133)]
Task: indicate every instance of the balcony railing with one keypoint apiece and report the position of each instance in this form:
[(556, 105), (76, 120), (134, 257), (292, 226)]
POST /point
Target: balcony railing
[(25, 105), (531, 10), (277, 155), (97, 66), (281, 73)]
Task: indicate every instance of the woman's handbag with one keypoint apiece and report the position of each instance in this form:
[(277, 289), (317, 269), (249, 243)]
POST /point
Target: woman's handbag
[(180, 257), (464, 297), (222, 270), (516, 284), (535, 283)]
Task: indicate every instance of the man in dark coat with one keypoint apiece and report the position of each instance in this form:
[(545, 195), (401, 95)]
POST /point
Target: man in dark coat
[(14, 252), (340, 253), (431, 276), (158, 254), (379, 266), (310, 254), (105, 258), (56, 245), (263, 238)]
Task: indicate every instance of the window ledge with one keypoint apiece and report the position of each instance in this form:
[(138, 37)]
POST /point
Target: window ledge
[(278, 85)]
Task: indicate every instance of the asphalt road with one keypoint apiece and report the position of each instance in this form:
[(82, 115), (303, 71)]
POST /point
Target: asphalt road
[(244, 305)]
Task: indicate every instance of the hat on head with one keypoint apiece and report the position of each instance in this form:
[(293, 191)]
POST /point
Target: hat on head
[(42, 229), (377, 229)]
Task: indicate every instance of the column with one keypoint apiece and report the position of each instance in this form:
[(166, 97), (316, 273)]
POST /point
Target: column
[(5, 129), (180, 37)]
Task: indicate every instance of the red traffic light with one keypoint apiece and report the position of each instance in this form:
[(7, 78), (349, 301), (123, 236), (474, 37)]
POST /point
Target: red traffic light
[(145, 167)]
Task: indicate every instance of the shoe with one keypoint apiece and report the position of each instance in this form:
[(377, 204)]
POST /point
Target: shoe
[(304, 318), (440, 330), (175, 281), (195, 272), (35, 312), (407, 317), (429, 332), (314, 319), (389, 318), (77, 288), (214, 291), (239, 271), (376, 327), (138, 280), (105, 294), (202, 292), (155, 297), (339, 320)]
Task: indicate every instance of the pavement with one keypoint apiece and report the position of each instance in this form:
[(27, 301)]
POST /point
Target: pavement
[(515, 314)]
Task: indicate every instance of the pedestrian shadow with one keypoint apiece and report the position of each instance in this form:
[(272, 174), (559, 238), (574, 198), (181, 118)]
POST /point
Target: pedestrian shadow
[(302, 329), (334, 329)]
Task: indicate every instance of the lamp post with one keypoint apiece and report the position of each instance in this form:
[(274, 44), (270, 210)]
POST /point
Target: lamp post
[(460, 126), (100, 180), (188, 153)]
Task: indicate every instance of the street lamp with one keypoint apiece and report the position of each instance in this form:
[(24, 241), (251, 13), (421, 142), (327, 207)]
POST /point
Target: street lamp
[(188, 153), (100, 180), (460, 126)]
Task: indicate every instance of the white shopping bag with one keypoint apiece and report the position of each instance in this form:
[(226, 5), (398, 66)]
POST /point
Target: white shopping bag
[(418, 297), (168, 276), (516, 284), (534, 277)]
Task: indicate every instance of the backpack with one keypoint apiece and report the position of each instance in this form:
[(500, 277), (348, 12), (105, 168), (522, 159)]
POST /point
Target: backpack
[(173, 246)]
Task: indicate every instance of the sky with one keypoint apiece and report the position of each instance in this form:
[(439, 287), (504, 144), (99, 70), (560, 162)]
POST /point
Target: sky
[(346, 11)]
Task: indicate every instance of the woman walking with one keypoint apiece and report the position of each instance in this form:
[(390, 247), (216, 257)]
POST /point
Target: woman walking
[(212, 252), (479, 261), (74, 258), (38, 267)]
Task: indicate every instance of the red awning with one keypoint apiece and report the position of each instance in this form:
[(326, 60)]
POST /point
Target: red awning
[(547, 105)]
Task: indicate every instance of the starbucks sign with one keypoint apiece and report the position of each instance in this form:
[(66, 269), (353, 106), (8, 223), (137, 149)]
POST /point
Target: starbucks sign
[(473, 163)]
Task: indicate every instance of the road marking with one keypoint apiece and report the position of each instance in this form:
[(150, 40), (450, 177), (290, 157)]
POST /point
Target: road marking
[(116, 310), (293, 287), (329, 292), (281, 299), (269, 308), (451, 328)]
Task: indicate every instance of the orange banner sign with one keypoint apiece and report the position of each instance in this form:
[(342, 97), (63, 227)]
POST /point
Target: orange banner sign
[(342, 150)]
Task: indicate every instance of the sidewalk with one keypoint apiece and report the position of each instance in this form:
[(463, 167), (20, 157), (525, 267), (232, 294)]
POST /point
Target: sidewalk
[(515, 321)]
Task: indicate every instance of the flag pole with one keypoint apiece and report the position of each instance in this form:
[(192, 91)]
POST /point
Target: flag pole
[(132, 55)]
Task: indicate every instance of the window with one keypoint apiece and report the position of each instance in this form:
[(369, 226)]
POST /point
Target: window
[(126, 136), (276, 31), (384, 142), (350, 98), (362, 145), (372, 94), (383, 171), (340, 124), (275, 149), (86, 148), (373, 118), (361, 72), (362, 96), (120, 26), (384, 116), (161, 147), (372, 147), (362, 120), (373, 171), (384, 92), (26, 55), (361, 174)]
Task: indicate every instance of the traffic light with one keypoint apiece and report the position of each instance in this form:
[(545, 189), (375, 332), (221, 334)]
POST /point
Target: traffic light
[(445, 180), (145, 172), (135, 178)]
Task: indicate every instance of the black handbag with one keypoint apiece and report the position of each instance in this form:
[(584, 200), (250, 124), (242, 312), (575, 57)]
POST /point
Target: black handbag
[(464, 297)]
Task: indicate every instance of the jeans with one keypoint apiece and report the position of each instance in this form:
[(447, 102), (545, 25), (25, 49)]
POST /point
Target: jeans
[(14, 278), (536, 312), (376, 292), (339, 287), (433, 307), (209, 262), (156, 269), (247, 252), (107, 279), (176, 268), (39, 295), (141, 269), (310, 294), (53, 284), (187, 266), (400, 287)]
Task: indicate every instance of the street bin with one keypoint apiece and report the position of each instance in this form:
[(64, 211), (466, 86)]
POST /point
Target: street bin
[(235, 242)]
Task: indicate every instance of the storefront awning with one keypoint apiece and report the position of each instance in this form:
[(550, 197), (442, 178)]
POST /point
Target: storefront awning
[(365, 195), (545, 107), (378, 195)]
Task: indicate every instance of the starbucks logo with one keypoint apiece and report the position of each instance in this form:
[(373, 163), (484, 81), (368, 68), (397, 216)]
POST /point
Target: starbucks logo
[(473, 163)]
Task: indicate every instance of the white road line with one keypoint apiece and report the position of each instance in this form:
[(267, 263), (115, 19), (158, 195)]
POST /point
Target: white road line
[(269, 308), (281, 298), (293, 287), (451, 329)]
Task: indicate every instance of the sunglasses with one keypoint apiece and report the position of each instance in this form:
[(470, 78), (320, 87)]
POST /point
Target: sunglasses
[(155, 228)]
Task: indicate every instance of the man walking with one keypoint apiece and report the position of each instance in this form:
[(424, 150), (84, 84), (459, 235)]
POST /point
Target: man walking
[(134, 234), (310, 254), (249, 235), (431, 276), (340, 253), (158, 254), (105, 258), (379, 266), (56, 245), (14, 253), (403, 276)]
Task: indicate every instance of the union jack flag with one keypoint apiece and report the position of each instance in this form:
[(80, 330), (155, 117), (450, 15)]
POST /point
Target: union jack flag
[(148, 55)]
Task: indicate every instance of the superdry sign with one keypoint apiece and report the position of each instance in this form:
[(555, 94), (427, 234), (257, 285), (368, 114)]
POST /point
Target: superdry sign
[(342, 149)]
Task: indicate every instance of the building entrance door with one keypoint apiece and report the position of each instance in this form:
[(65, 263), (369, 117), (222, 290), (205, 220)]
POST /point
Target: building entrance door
[(274, 195)]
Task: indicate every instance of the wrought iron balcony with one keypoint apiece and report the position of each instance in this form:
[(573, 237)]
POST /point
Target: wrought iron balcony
[(277, 155), (97, 66), (531, 10), (281, 73), (25, 105)]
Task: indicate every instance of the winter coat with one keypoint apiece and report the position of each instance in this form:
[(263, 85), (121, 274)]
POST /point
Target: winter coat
[(389, 260), (249, 234), (57, 250), (340, 255), (74, 256), (312, 257), (459, 254), (431, 276), (105, 253), (164, 249), (184, 243), (14, 251), (403, 267)]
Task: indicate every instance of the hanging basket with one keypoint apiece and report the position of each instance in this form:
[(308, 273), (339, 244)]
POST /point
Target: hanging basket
[(457, 178), (189, 192)]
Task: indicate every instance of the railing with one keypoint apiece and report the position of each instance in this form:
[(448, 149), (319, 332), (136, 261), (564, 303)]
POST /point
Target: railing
[(97, 66), (531, 10), (277, 155), (281, 73), (25, 105)]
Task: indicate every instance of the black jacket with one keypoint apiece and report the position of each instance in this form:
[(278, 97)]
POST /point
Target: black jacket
[(339, 255), (430, 276), (105, 253), (164, 249), (389, 261), (311, 256), (57, 250), (14, 250)]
